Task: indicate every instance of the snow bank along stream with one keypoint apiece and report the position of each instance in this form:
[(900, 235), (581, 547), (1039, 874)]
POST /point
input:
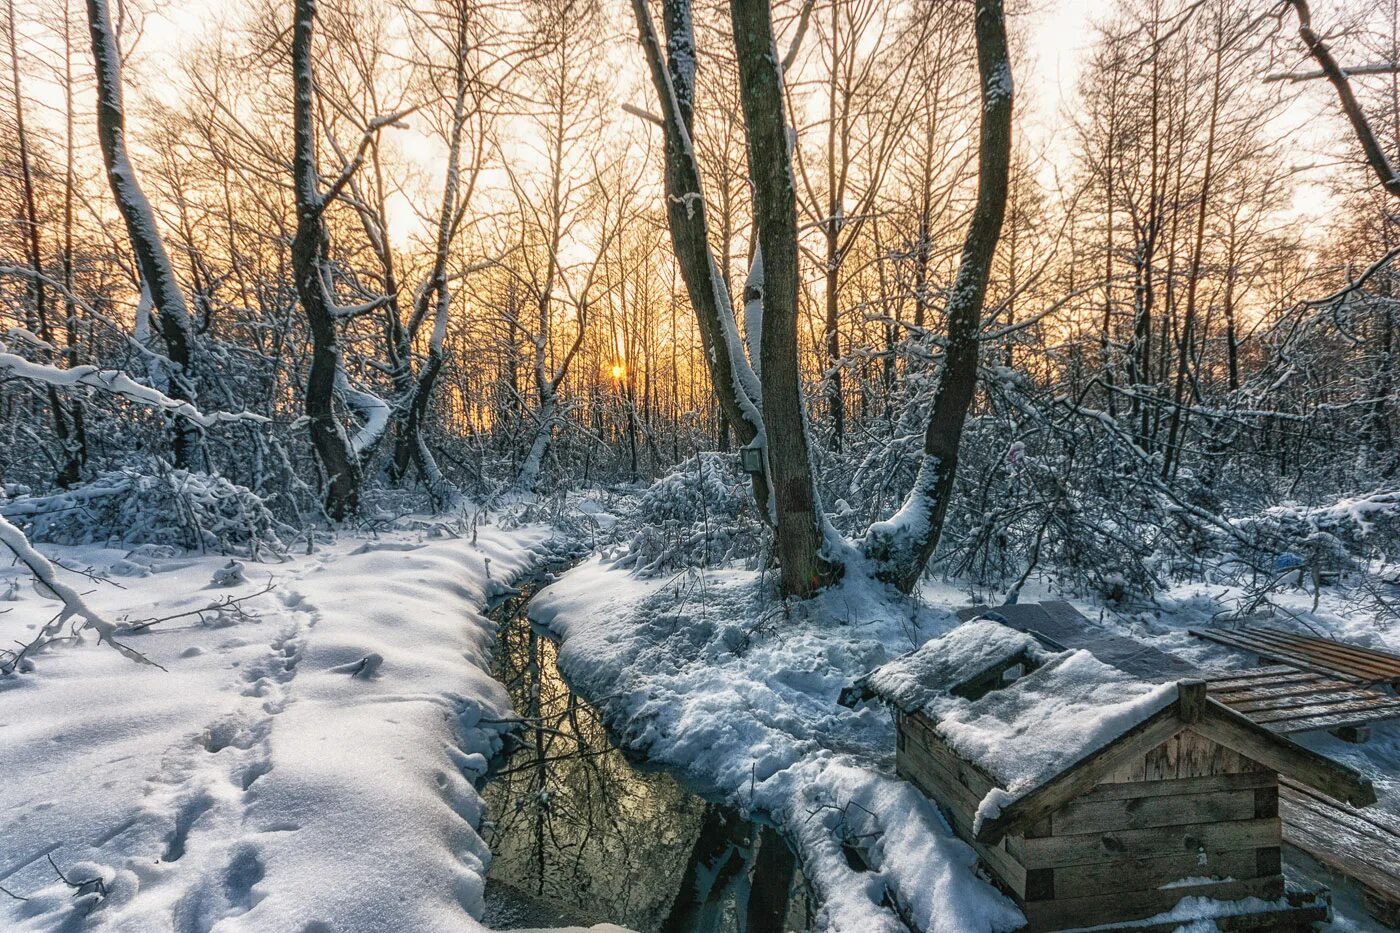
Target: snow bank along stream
[(581, 834)]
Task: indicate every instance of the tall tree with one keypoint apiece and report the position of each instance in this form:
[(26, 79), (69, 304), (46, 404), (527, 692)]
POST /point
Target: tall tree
[(796, 504), (902, 545), (673, 74), (338, 453), (157, 272)]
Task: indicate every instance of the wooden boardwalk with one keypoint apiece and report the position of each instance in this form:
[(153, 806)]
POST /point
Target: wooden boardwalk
[(1305, 652), (1364, 845), (1284, 699)]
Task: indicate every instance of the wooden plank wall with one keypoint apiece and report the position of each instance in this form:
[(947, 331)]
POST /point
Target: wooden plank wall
[(1187, 809)]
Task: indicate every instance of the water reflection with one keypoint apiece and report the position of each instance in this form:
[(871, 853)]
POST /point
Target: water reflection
[(580, 835)]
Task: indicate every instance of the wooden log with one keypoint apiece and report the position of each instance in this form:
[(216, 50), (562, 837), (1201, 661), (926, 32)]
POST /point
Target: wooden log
[(1097, 816), (1148, 874), (1070, 913), (957, 805), (1207, 784), (1088, 849), (976, 779)]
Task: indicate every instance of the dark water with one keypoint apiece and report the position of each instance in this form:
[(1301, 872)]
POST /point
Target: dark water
[(582, 835)]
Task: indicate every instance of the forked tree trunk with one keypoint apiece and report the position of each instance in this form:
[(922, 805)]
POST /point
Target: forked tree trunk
[(157, 273), (902, 546), (673, 75), (337, 459), (411, 447), (796, 503)]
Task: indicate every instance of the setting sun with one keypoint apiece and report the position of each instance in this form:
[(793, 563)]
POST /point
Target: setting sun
[(618, 370)]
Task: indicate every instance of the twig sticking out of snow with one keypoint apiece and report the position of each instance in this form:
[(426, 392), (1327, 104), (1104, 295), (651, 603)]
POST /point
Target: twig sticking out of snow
[(95, 886)]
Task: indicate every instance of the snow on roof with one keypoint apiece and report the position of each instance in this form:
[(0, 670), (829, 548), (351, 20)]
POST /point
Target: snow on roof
[(1030, 731), (940, 665)]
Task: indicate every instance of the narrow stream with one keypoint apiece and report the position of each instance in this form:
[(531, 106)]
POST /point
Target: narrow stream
[(582, 835)]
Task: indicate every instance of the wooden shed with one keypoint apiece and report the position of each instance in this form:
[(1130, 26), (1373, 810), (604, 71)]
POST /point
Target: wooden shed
[(1096, 798)]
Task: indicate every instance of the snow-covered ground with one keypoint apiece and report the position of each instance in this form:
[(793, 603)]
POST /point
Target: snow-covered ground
[(708, 673), (308, 760), (271, 778)]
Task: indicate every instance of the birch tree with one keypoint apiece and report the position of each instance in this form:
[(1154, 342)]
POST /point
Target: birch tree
[(157, 273)]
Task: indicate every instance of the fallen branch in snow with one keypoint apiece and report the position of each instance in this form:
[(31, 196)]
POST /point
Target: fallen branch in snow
[(227, 602), (47, 582)]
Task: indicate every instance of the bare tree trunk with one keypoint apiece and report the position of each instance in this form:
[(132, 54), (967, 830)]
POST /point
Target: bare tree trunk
[(796, 504), (338, 460), (78, 441), (902, 546), (1171, 458), (68, 473), (410, 440), (157, 272), (673, 76)]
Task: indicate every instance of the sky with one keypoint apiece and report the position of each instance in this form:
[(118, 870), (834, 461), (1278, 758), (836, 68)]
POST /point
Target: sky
[(1059, 35)]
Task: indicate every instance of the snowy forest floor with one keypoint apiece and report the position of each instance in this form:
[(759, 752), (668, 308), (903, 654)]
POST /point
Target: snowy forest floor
[(271, 778), (310, 759), (709, 673)]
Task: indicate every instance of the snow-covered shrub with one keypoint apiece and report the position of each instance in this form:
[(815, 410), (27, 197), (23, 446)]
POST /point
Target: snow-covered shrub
[(700, 514), (166, 506), (1354, 526)]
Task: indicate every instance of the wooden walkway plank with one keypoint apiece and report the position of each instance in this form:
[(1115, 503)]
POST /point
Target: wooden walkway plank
[(1310, 653), (1267, 690), (1345, 657), (1287, 700), (1321, 709), (1370, 656), (1330, 723), (1356, 664), (1230, 640)]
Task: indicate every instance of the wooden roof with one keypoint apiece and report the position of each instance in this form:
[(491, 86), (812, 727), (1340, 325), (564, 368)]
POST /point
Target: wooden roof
[(1069, 722), (1192, 710), (1059, 625)]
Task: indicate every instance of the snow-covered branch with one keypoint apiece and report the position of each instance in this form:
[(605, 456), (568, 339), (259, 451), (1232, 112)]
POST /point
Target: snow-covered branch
[(74, 606), (116, 383)]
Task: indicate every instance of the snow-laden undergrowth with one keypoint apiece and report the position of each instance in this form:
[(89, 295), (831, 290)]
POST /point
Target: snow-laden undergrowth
[(159, 505), (305, 763)]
